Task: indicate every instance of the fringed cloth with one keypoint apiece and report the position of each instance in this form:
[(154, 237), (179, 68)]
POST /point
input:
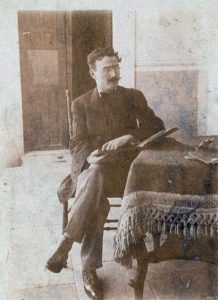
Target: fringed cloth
[(145, 212)]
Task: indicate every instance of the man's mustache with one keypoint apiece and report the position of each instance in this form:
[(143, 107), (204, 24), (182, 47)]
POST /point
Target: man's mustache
[(114, 79)]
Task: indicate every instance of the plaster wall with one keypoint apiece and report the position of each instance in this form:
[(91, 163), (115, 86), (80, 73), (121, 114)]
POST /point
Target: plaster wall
[(176, 66)]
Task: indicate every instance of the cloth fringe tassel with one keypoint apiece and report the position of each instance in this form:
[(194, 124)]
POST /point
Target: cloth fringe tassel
[(138, 221)]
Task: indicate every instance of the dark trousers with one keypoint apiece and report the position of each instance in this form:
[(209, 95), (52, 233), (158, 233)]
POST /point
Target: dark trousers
[(91, 207)]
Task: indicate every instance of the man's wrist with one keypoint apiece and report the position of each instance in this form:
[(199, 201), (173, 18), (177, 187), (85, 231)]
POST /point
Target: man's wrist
[(133, 140)]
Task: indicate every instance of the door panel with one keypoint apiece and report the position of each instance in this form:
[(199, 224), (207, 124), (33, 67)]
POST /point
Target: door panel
[(53, 53)]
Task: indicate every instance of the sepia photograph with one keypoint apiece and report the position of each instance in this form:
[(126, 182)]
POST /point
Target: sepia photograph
[(109, 150)]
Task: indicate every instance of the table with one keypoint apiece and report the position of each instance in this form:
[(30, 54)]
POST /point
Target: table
[(165, 193)]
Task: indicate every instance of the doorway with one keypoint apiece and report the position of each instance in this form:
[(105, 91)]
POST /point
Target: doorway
[(53, 52)]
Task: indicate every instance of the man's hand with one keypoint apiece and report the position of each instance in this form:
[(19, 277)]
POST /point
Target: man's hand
[(118, 142), (94, 159)]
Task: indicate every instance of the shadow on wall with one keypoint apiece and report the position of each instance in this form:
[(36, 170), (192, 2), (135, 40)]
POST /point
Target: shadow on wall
[(173, 96)]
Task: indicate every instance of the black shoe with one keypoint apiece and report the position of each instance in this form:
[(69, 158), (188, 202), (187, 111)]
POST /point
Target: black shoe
[(58, 260), (92, 284)]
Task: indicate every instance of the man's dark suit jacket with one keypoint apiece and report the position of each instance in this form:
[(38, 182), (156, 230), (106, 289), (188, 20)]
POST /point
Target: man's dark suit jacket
[(92, 127)]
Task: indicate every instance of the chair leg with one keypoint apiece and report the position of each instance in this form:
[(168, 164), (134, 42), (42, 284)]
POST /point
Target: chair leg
[(137, 283), (64, 222), (65, 216)]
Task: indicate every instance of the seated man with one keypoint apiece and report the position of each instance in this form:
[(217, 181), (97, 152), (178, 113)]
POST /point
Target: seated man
[(106, 118)]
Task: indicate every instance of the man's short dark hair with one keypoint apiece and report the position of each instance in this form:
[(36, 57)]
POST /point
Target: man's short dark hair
[(99, 53)]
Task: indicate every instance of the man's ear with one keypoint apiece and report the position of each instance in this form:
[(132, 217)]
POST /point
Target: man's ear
[(92, 74)]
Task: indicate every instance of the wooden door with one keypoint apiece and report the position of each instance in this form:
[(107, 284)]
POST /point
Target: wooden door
[(53, 50)]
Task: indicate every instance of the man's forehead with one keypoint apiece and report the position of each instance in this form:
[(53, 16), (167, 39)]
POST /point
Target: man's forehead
[(107, 61)]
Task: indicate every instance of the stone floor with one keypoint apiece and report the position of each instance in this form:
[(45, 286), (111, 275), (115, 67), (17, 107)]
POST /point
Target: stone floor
[(31, 229)]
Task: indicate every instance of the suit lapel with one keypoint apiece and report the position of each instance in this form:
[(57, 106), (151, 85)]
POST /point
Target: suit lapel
[(94, 98)]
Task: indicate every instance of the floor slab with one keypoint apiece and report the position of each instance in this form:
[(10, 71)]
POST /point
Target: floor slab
[(51, 292), (183, 279), (29, 250)]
